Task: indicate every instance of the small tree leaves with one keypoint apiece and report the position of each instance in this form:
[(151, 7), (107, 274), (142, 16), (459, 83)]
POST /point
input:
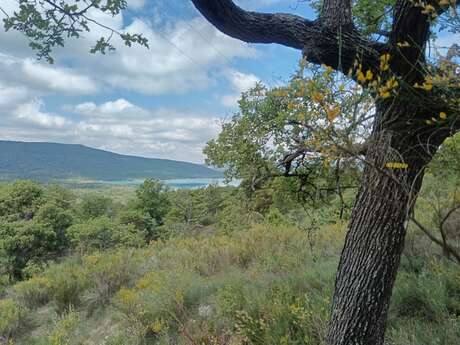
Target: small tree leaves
[(48, 23)]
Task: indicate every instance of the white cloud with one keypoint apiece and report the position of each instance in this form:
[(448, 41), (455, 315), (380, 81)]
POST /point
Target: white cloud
[(10, 96), (127, 128), (30, 113), (57, 79), (182, 56), (240, 82)]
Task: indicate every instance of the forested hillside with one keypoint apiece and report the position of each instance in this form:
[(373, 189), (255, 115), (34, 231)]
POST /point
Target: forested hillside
[(49, 161)]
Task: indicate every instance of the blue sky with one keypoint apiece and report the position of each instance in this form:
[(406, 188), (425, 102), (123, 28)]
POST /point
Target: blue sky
[(163, 102)]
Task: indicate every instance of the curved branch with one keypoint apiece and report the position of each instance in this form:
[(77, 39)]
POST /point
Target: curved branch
[(254, 27), (322, 41)]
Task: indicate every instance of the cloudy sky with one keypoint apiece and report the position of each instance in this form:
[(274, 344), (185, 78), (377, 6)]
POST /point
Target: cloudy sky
[(165, 102)]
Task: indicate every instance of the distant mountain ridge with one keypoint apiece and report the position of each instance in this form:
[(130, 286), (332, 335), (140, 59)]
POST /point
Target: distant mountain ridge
[(45, 161)]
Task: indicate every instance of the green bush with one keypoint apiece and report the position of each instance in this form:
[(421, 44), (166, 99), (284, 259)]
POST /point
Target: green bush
[(107, 273), (68, 283), (64, 328), (13, 318), (103, 233), (34, 292), (421, 296)]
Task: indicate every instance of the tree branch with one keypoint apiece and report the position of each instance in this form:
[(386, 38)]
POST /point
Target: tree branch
[(451, 250), (253, 27), (322, 41)]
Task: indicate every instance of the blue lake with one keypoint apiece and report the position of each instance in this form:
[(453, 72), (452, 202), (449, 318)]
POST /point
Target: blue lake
[(186, 183)]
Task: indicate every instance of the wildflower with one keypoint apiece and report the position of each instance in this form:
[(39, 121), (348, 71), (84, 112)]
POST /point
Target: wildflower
[(392, 83), (384, 62), (443, 115), (427, 86), (361, 77), (369, 75), (384, 94)]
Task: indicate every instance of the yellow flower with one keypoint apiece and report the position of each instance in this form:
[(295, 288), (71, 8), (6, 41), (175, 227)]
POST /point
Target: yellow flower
[(396, 165), (443, 115), (384, 59), (428, 86), (384, 94), (361, 77), (392, 83), (369, 75)]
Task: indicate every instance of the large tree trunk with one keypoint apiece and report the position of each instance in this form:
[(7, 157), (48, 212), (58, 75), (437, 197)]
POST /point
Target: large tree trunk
[(375, 238)]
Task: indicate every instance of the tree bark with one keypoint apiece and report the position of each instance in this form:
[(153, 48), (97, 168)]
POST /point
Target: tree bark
[(375, 239)]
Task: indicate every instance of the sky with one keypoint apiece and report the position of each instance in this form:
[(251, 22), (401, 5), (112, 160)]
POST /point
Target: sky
[(163, 102)]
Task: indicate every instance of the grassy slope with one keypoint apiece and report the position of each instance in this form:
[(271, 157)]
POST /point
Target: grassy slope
[(269, 285)]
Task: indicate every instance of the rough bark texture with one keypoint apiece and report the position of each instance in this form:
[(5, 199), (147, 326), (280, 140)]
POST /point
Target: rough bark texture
[(375, 238)]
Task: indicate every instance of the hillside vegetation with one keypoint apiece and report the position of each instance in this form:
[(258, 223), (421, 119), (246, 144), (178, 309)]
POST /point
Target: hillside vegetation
[(49, 161), (215, 266)]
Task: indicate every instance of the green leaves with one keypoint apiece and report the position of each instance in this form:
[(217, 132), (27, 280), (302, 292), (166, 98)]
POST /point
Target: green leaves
[(48, 24), (307, 129)]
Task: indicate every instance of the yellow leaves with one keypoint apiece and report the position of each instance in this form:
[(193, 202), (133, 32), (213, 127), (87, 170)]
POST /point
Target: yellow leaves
[(443, 115), (281, 93), (158, 326), (396, 165), (369, 75), (291, 106), (360, 76), (392, 83), (317, 97), (403, 44), (385, 90), (333, 112), (429, 10), (384, 62), (328, 70), (427, 85), (384, 94)]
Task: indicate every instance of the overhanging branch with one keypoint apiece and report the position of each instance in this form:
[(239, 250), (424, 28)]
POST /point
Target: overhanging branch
[(335, 43), (254, 27)]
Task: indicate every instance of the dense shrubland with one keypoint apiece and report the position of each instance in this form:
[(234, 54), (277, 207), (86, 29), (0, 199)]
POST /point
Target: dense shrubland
[(208, 266)]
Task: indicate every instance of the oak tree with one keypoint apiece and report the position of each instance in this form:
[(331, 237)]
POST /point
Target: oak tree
[(416, 108), (382, 45)]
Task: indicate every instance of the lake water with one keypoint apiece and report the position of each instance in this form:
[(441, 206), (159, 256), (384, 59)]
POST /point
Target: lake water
[(185, 183)]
